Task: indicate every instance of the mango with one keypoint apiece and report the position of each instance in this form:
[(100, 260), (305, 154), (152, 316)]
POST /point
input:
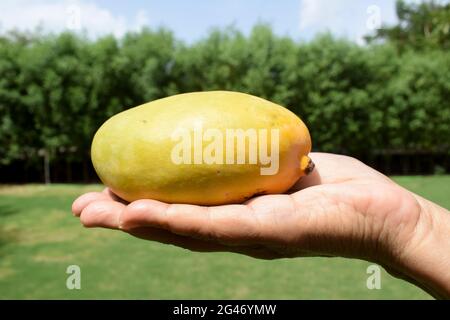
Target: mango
[(205, 148)]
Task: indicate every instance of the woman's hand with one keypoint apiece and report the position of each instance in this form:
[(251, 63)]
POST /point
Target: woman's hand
[(343, 208)]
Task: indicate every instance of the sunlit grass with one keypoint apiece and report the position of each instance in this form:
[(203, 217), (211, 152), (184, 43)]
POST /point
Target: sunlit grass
[(39, 238)]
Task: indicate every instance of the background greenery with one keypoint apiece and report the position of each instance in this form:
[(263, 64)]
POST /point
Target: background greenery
[(386, 102), (390, 97), (39, 240)]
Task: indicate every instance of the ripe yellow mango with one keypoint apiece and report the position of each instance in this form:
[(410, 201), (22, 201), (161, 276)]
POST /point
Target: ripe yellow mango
[(207, 148)]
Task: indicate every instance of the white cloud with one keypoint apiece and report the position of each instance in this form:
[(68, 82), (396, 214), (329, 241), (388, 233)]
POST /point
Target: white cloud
[(352, 19), (314, 12), (56, 16)]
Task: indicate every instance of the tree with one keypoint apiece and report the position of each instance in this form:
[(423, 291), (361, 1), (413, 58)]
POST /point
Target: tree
[(421, 26), (57, 90)]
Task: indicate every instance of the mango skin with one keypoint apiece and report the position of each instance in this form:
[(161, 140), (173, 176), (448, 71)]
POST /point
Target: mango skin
[(131, 152)]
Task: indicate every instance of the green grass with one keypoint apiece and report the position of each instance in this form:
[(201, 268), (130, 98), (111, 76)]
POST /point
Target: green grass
[(39, 238)]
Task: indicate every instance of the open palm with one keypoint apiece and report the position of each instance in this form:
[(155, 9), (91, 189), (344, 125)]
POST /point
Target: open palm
[(343, 208)]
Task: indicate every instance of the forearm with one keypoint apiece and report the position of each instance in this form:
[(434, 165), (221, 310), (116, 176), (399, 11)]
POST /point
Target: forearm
[(426, 262)]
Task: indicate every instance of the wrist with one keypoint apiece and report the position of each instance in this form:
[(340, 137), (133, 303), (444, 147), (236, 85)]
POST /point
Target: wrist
[(425, 260)]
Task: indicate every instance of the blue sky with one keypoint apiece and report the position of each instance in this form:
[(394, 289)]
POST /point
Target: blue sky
[(191, 20)]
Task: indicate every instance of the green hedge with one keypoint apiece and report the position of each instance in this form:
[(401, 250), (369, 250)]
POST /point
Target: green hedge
[(56, 90)]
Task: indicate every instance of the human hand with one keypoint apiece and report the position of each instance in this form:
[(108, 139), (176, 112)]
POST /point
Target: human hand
[(343, 208)]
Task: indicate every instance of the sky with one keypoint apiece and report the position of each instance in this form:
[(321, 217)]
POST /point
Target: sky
[(191, 20)]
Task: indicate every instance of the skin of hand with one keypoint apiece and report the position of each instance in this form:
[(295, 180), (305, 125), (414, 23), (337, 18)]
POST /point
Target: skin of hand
[(343, 208)]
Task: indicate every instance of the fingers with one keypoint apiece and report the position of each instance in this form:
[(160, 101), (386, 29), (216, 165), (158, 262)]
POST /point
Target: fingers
[(113, 196), (166, 237), (232, 224), (185, 226), (84, 200), (102, 213)]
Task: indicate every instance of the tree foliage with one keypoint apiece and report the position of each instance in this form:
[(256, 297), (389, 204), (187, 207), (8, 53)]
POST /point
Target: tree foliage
[(421, 26), (56, 90)]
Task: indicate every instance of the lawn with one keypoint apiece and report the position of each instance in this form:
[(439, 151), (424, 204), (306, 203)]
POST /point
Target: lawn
[(39, 239)]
